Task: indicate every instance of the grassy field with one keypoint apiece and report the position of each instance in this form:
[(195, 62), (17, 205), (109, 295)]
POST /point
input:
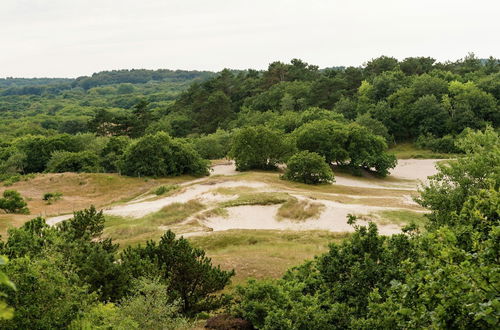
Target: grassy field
[(402, 217), (410, 150), (264, 253), (130, 231), (79, 191)]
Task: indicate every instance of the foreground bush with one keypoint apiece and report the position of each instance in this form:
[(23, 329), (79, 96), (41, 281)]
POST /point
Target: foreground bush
[(308, 167)]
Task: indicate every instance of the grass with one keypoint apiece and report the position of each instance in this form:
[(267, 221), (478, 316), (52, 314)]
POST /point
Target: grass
[(294, 209), (409, 150), (128, 231), (402, 217), (264, 198), (161, 190), (263, 253), (80, 191)]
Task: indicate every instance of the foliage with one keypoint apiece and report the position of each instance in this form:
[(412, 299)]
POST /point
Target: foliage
[(259, 148), (51, 197), (165, 189), (308, 167), (192, 278), (65, 161), (457, 180), (446, 277), (6, 312), (13, 202), (160, 155)]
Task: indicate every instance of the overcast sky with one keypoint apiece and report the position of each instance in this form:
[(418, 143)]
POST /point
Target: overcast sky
[(69, 38)]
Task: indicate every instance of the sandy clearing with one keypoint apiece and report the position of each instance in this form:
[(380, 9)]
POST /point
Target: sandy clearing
[(333, 218), (263, 217), (201, 192), (415, 169)]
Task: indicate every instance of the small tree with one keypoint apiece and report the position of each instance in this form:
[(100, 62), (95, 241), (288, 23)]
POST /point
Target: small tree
[(13, 202), (308, 167)]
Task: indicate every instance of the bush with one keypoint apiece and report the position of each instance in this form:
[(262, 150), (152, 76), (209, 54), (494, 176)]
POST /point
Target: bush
[(52, 197), (12, 202), (160, 155), (445, 144), (213, 146), (308, 167), (165, 189), (65, 161)]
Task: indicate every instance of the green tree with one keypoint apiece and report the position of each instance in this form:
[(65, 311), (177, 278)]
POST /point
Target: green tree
[(160, 155), (327, 138), (65, 161), (259, 148), (192, 278), (308, 167)]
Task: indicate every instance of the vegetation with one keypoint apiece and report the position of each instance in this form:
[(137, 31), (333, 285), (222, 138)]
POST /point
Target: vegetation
[(145, 123), (69, 274), (52, 197), (293, 209), (446, 277), (348, 115), (13, 202), (308, 167)]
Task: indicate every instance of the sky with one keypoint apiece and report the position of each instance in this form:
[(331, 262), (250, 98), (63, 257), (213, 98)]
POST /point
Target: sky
[(71, 38)]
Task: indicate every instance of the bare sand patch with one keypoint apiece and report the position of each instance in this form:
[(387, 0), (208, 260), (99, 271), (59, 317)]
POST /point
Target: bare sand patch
[(333, 218)]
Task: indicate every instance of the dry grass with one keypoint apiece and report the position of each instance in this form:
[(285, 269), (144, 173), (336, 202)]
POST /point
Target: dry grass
[(129, 231), (79, 190), (263, 198), (293, 209), (264, 253)]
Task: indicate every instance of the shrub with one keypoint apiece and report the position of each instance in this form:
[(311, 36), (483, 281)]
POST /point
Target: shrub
[(12, 202), (165, 189), (308, 167), (65, 161), (51, 197), (445, 144), (160, 155)]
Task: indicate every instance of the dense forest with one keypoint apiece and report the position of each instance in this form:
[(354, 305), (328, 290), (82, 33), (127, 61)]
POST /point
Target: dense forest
[(146, 123), (349, 116)]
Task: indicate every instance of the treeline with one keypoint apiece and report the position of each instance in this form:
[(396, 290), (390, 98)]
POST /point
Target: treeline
[(39, 86), (410, 98), (72, 275)]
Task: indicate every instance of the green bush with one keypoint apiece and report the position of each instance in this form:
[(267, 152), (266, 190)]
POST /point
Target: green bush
[(51, 197), (65, 161), (165, 189), (12, 202), (308, 167), (445, 144), (160, 155)]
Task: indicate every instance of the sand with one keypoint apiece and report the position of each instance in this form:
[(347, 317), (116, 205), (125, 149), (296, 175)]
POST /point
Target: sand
[(333, 218)]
